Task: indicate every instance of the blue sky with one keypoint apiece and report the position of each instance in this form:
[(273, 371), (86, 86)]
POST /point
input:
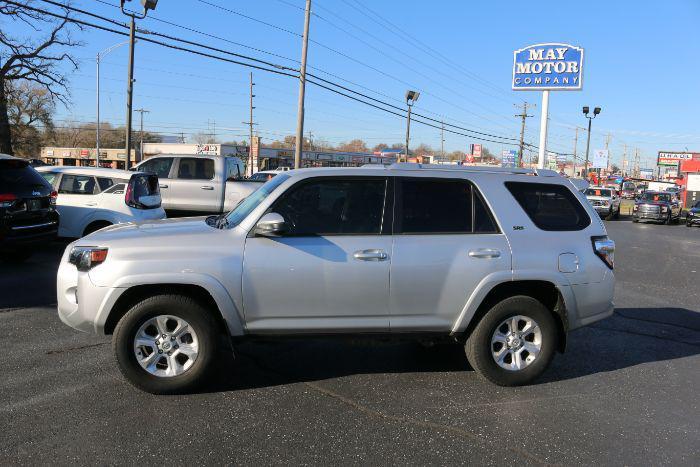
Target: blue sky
[(641, 67)]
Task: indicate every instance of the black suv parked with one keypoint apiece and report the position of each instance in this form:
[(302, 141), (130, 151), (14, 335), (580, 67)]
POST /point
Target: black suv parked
[(27, 209)]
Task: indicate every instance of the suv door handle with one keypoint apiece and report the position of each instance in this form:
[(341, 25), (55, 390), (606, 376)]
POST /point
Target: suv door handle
[(91, 204), (206, 187), (484, 253), (164, 186), (370, 255)]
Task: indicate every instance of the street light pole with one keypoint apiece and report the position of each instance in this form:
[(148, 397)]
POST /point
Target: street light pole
[(596, 111), (129, 91), (298, 147), (147, 5), (97, 135), (411, 98)]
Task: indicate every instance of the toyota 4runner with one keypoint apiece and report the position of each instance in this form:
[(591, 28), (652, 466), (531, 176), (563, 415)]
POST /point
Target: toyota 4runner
[(504, 261)]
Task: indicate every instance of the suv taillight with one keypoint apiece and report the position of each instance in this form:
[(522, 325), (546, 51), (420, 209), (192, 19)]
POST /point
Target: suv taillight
[(143, 192), (53, 197), (604, 249), (7, 200)]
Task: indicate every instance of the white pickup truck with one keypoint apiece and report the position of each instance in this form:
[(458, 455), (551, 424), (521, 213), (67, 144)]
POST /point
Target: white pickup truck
[(199, 184)]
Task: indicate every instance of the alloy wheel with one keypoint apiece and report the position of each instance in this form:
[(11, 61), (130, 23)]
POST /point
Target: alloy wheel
[(516, 343), (166, 346)]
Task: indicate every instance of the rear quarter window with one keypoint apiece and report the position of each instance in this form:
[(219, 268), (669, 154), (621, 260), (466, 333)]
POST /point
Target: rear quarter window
[(550, 206)]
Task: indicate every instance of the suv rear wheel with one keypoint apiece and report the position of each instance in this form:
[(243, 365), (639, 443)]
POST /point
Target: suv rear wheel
[(166, 344), (514, 342)]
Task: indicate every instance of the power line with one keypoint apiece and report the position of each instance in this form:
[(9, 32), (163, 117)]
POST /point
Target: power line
[(276, 71)]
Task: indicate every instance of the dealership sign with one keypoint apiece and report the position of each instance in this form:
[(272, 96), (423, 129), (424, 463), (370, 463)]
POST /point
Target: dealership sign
[(548, 66), (673, 158)]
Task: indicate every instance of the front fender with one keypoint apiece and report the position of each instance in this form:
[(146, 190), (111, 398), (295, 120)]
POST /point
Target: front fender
[(232, 316)]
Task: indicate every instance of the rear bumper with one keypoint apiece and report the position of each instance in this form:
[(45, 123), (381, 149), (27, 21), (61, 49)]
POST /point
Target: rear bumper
[(594, 301), (13, 236)]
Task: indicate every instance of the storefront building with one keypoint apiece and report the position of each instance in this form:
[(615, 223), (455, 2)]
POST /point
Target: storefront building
[(86, 157)]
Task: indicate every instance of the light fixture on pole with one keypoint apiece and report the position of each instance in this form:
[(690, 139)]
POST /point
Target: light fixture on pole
[(586, 110), (97, 131), (411, 98), (147, 5)]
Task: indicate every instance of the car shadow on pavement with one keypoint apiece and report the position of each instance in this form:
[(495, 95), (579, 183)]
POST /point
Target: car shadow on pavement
[(264, 364), (631, 337)]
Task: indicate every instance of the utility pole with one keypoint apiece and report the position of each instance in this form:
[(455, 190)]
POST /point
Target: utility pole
[(624, 160), (523, 115), (608, 137), (141, 111), (575, 144), (442, 141), (302, 88), (636, 162), (250, 169)]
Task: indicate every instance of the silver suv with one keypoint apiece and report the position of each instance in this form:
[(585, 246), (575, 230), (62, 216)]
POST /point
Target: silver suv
[(505, 262)]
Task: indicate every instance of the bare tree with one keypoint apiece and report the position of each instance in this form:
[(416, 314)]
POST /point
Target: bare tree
[(356, 145), (29, 106), (37, 61)]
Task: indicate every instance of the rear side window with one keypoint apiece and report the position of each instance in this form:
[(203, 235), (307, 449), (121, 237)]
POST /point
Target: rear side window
[(77, 185), (159, 166), (441, 206), (17, 174), (192, 168), (104, 183), (49, 176), (233, 169), (549, 206)]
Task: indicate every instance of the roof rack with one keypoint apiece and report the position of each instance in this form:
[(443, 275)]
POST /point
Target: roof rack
[(468, 168)]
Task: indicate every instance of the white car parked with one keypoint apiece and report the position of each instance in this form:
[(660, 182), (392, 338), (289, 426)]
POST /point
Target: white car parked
[(91, 198)]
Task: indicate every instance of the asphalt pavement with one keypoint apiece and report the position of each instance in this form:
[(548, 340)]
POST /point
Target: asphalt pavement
[(625, 392)]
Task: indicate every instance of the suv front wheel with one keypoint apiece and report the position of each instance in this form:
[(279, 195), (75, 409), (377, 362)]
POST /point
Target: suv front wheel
[(514, 342), (166, 344)]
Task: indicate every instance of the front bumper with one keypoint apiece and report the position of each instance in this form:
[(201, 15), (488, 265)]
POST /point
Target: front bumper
[(660, 217), (693, 220), (80, 302), (603, 210)]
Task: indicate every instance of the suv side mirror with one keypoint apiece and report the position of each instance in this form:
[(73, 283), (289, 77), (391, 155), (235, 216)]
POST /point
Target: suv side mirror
[(271, 225)]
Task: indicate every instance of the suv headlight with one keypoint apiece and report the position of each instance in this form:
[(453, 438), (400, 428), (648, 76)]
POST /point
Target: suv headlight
[(664, 208), (87, 257)]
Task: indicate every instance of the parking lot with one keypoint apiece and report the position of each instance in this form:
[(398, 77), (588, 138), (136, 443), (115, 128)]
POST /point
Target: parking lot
[(625, 392)]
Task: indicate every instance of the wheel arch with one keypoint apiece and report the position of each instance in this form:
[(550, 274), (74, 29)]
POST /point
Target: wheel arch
[(216, 300), (544, 291), (94, 223)]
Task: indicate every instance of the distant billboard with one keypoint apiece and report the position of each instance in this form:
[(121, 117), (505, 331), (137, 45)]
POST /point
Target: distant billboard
[(673, 158), (647, 174), (551, 66), (508, 158), (600, 159)]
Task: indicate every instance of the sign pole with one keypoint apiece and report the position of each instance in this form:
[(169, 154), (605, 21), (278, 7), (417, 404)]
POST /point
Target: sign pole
[(544, 119)]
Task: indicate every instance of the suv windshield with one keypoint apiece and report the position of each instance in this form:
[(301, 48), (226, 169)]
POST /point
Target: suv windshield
[(656, 197), (245, 207), (597, 192)]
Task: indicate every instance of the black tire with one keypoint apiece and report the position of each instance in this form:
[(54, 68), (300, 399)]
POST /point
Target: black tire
[(688, 224), (15, 257), (95, 226), (635, 221), (479, 351), (668, 219), (201, 321)]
